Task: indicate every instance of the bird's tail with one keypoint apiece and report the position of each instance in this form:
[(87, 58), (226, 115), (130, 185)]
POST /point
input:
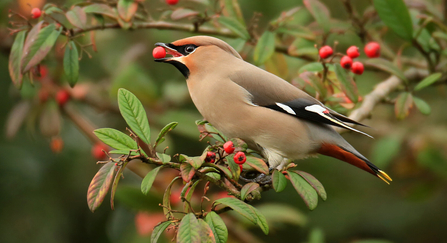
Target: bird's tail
[(354, 158)]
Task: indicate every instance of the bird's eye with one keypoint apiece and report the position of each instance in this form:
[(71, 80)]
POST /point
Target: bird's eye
[(189, 49)]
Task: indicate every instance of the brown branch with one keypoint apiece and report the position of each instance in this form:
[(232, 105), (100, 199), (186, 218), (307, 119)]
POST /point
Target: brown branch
[(380, 92)]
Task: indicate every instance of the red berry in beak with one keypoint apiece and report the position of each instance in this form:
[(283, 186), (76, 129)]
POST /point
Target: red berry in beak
[(159, 52)]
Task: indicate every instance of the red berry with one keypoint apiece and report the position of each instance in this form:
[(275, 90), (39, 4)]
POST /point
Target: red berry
[(97, 151), (346, 62), (228, 147), (239, 158), (35, 13), (353, 52), (159, 52), (172, 2), (357, 68), (210, 157), (325, 52), (372, 49), (62, 97)]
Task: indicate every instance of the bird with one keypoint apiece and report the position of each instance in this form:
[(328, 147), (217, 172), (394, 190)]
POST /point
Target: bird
[(271, 115)]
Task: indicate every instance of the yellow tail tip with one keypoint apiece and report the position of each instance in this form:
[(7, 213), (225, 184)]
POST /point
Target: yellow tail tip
[(384, 176)]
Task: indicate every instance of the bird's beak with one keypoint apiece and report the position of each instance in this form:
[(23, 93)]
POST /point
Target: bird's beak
[(169, 51)]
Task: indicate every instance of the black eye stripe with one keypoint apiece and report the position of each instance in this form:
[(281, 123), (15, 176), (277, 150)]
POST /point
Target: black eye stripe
[(184, 49)]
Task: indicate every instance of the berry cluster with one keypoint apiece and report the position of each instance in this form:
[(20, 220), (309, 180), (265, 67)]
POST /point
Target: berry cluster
[(372, 50), (239, 157)]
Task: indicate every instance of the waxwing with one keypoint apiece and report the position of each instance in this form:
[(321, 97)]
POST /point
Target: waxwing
[(270, 114)]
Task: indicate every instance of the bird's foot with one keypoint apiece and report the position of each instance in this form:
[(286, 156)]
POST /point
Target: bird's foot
[(261, 179)]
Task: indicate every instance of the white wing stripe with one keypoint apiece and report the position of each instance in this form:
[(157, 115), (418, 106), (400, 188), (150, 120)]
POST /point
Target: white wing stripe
[(286, 108)]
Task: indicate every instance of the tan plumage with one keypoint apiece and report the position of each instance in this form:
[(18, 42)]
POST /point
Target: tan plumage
[(271, 115)]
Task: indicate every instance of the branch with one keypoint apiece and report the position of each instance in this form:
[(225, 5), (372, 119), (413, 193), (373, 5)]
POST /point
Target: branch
[(381, 91)]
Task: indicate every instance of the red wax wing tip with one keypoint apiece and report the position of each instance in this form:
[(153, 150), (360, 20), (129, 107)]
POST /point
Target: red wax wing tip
[(326, 111), (159, 52)]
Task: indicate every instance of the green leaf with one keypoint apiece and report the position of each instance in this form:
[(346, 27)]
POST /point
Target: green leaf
[(234, 25), (428, 81), (218, 227), (164, 131), (307, 193), (164, 158), (98, 8), (133, 112), (422, 106), (311, 67), (100, 185), (127, 9), (206, 234), (188, 195), (77, 17), (279, 181), (115, 139), (347, 84), (182, 13), (394, 13), (404, 103), (196, 162), (386, 66), (226, 171), (158, 230), (314, 183), (247, 188), (320, 12), (316, 235), (189, 231), (246, 210), (166, 199), (264, 48), (52, 9), (385, 150), (234, 168), (71, 63), (15, 59), (187, 171), (117, 178), (123, 151), (148, 180), (234, 10), (37, 45), (257, 164)]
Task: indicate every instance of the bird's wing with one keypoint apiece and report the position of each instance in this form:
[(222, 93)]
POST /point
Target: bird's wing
[(272, 92)]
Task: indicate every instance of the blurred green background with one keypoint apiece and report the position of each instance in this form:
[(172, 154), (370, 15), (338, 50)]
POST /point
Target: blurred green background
[(43, 194)]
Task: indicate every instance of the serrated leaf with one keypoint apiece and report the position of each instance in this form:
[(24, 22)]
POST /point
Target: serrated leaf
[(127, 9), (218, 227), (133, 112), (98, 8), (279, 181), (307, 193), (428, 81), (188, 230), (404, 103), (115, 139), (164, 131), (182, 13), (257, 164), (320, 13), (314, 183), (235, 26), (187, 171), (247, 188), (77, 17), (394, 13), (386, 66), (385, 150), (158, 230), (164, 157), (206, 234), (422, 106), (100, 185), (15, 59), (148, 180), (71, 63), (234, 168), (37, 45), (347, 83), (264, 48), (311, 67), (166, 199)]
